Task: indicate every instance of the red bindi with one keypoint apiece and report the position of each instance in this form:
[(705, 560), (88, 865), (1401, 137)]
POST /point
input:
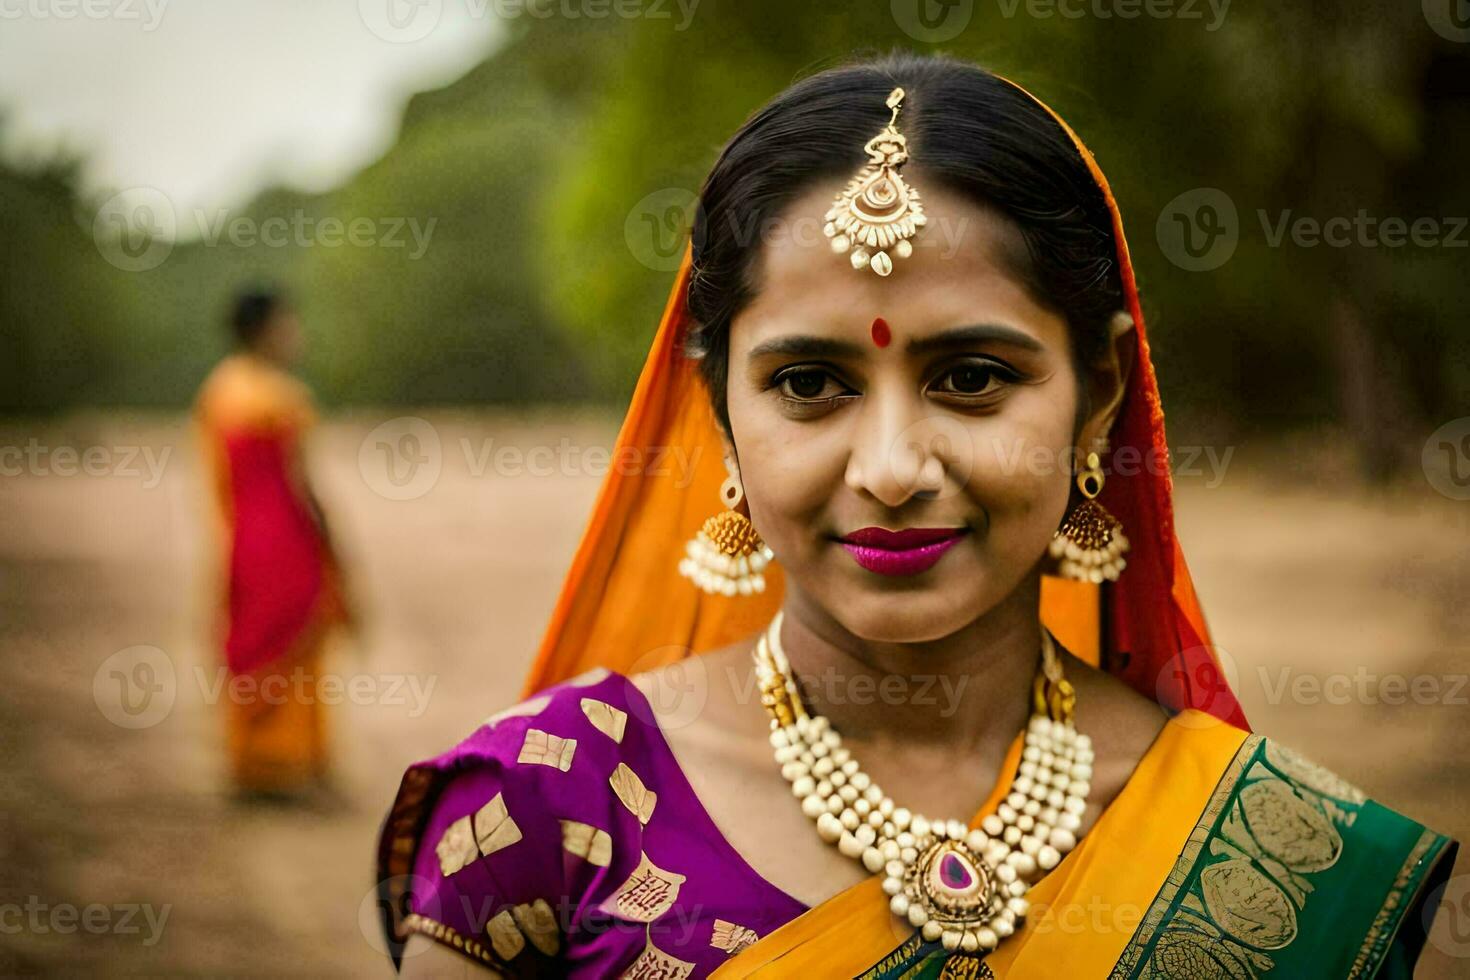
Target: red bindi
[(881, 334)]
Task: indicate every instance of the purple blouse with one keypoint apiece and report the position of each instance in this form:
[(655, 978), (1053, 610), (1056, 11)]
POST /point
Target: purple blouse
[(563, 839)]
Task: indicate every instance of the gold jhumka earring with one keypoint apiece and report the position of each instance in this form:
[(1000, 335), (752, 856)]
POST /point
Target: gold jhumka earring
[(1090, 544), (727, 556), (878, 211)]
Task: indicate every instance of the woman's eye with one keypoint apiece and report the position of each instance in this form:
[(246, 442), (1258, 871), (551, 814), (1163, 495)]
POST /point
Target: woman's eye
[(972, 378), (809, 384)]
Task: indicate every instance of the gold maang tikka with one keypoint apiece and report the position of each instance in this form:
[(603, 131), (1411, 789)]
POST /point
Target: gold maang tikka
[(878, 212)]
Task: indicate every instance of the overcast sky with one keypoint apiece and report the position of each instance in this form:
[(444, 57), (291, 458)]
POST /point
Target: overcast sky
[(209, 100)]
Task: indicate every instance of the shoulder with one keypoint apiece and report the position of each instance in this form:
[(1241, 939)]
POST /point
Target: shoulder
[(488, 840), (241, 393), (520, 749)]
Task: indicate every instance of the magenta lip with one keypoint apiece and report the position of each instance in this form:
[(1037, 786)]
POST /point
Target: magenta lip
[(909, 560)]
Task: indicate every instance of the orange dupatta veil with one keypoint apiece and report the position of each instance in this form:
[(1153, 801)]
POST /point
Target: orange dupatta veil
[(625, 607)]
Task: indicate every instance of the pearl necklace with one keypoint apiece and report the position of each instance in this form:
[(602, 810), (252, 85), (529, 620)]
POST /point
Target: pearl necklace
[(965, 888)]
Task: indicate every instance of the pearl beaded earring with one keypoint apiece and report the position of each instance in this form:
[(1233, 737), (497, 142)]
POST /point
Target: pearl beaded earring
[(1090, 544), (727, 556)]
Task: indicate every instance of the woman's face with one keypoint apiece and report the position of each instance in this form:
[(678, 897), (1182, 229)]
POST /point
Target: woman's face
[(964, 420)]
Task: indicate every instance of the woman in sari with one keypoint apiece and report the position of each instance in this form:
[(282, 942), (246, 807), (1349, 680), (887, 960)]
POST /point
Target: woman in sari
[(278, 589), (908, 326)]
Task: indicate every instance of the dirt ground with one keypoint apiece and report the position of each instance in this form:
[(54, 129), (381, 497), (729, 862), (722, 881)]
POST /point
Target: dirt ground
[(1319, 591)]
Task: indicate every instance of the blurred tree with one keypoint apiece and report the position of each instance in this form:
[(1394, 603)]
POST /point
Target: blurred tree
[(550, 187)]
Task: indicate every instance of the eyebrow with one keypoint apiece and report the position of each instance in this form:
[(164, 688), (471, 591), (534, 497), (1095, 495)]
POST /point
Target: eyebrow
[(807, 345)]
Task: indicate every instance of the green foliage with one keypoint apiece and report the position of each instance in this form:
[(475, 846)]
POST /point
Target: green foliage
[(546, 266)]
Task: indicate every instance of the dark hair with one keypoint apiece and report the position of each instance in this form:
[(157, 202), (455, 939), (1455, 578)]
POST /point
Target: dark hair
[(251, 312), (967, 129)]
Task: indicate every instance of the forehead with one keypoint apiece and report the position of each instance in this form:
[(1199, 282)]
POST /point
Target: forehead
[(962, 271)]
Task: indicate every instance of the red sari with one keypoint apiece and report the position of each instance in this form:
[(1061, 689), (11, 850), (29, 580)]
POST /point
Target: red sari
[(278, 595)]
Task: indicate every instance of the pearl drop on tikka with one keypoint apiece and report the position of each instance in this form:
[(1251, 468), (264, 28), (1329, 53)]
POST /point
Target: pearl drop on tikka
[(960, 886)]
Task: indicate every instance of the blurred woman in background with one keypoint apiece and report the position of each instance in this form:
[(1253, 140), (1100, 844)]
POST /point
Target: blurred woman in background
[(279, 593), (909, 326)]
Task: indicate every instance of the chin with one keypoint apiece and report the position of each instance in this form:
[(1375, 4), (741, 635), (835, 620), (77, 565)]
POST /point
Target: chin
[(908, 615)]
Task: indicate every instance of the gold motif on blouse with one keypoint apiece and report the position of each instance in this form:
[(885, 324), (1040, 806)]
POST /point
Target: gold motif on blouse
[(494, 829), (731, 937), (605, 718), (649, 892), (505, 936), (587, 842), (654, 964), (538, 924), (544, 749), (488, 830), (456, 848), (509, 929), (639, 799)]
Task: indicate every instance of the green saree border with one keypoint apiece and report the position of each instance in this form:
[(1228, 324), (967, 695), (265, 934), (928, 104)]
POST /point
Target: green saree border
[(1407, 882), (1289, 872), (1146, 933)]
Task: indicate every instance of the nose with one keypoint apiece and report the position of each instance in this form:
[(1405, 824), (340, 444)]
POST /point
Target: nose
[(898, 450)]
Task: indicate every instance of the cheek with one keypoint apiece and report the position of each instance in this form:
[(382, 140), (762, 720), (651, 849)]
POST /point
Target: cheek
[(1021, 470), (788, 471)]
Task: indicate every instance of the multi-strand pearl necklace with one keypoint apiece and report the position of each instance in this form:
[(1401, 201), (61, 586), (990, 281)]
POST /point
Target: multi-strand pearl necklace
[(964, 888)]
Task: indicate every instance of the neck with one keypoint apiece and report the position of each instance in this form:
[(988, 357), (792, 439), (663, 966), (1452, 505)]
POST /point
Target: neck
[(970, 690)]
